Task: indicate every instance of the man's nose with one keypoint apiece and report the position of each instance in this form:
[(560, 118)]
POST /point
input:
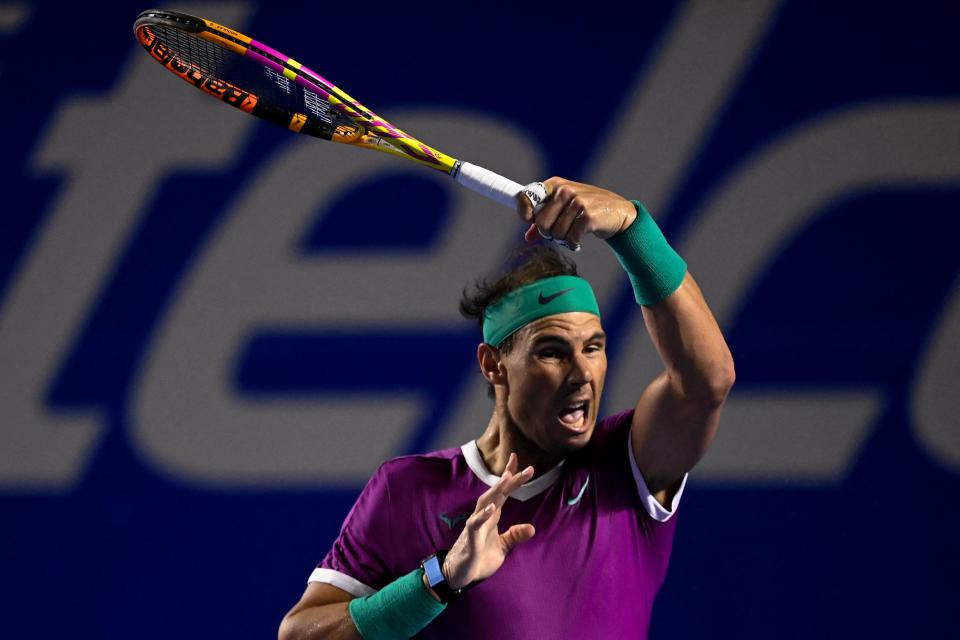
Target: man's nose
[(580, 372)]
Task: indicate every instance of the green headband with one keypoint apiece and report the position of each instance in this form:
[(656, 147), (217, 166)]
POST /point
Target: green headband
[(558, 294)]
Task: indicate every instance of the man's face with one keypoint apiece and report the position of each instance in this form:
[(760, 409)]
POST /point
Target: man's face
[(555, 375)]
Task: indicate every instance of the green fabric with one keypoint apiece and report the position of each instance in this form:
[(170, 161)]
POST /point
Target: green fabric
[(399, 610), (523, 305), (654, 268)]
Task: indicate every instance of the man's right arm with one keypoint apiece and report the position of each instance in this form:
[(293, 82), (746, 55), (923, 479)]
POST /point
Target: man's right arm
[(477, 554), (321, 613)]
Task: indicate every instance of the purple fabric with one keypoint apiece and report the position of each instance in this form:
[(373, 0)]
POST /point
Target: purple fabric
[(592, 570)]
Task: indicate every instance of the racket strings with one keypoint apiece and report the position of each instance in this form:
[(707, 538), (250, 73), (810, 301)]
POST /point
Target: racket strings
[(279, 96), (192, 50)]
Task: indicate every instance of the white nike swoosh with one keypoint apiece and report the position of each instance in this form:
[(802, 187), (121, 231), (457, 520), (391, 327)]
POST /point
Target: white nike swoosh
[(573, 501)]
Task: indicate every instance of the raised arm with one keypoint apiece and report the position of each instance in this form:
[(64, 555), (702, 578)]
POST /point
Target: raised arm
[(677, 414)]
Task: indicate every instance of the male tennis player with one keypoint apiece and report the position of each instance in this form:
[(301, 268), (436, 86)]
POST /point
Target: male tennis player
[(551, 524)]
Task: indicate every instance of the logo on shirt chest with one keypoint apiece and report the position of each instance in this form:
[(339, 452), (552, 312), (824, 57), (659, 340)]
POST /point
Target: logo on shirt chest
[(583, 487), (452, 520)]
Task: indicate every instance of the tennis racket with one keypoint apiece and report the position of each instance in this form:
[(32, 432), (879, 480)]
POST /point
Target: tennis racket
[(263, 82)]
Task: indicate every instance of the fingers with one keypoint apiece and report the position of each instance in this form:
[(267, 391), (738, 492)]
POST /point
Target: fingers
[(508, 483), (565, 215), (545, 217), (534, 195), (573, 210), (578, 228), (532, 235), (572, 216), (512, 462), (479, 517), (515, 535), (530, 198)]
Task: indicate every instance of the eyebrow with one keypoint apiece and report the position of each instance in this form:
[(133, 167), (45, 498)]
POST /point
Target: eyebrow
[(550, 337)]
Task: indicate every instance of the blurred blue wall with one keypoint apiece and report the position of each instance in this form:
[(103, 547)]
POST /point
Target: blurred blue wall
[(212, 331)]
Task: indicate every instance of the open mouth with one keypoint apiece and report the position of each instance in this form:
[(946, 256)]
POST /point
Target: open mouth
[(574, 415)]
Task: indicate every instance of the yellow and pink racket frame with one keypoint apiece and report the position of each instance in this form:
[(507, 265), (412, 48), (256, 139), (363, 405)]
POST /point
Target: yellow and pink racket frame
[(372, 131), (360, 127)]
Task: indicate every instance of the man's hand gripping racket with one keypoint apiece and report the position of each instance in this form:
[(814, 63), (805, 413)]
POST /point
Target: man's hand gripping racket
[(565, 211), (263, 82)]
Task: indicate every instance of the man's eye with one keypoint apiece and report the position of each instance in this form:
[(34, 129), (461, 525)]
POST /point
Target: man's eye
[(548, 353)]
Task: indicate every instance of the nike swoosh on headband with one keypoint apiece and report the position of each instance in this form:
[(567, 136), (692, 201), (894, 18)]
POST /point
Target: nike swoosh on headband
[(542, 299)]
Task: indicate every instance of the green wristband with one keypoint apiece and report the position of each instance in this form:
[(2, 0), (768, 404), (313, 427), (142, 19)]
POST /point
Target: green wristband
[(654, 268), (399, 610)]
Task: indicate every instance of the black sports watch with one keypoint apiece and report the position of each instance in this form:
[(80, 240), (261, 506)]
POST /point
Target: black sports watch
[(433, 569)]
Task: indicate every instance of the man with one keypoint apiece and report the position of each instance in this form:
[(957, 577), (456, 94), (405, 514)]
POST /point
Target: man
[(551, 524)]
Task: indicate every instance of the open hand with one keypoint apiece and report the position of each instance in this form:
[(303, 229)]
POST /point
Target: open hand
[(481, 548)]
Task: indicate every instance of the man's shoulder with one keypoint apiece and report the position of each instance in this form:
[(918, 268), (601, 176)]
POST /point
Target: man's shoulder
[(611, 427), (615, 420), (432, 459), (423, 468), (608, 442)]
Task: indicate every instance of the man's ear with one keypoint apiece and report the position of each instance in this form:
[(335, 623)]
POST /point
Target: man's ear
[(491, 364)]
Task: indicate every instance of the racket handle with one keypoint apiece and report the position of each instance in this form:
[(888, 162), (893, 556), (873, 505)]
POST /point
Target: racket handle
[(499, 189), (489, 184)]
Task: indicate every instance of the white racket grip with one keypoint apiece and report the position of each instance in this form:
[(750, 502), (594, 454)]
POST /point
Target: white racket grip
[(489, 184), (505, 191)]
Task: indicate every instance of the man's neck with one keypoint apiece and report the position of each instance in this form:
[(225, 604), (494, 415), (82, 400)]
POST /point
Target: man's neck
[(502, 437)]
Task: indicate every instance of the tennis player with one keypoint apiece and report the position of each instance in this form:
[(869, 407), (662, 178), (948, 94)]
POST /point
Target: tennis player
[(552, 523)]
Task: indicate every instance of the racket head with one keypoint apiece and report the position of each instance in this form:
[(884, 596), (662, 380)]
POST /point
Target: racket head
[(270, 85)]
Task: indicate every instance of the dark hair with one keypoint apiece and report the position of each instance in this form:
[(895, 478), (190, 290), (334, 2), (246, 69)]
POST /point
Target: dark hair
[(525, 265)]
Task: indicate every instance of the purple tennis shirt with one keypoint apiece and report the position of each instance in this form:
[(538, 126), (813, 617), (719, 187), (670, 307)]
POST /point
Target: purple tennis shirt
[(592, 570)]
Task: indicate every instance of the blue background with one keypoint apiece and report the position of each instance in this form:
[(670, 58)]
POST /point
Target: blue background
[(850, 302)]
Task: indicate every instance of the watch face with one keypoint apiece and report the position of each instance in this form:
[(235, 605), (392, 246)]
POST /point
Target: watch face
[(432, 568)]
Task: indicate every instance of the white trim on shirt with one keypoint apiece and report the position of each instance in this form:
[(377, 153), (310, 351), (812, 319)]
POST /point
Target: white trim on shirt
[(654, 509), (525, 491), (341, 581)]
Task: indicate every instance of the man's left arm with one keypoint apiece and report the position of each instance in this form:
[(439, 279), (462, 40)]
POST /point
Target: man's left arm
[(678, 413)]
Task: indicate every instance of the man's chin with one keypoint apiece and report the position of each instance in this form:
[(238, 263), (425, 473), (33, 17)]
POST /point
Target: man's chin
[(575, 437)]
